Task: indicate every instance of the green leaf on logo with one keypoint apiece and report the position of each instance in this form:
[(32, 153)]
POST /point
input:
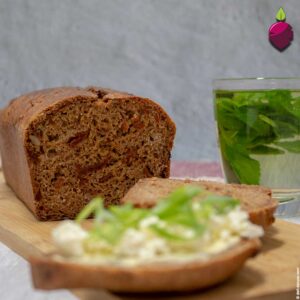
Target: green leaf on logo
[(280, 16)]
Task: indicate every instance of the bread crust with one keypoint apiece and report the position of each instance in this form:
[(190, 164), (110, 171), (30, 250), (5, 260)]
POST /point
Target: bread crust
[(14, 122), (256, 200), (48, 273), (23, 111)]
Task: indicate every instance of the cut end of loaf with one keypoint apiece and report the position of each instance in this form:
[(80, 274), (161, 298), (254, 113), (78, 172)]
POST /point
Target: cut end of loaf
[(91, 146)]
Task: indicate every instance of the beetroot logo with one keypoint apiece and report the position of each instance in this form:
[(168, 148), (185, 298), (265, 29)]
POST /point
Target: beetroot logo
[(281, 33)]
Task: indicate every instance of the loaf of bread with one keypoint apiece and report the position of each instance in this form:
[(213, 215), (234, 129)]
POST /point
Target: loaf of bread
[(256, 200), (62, 146)]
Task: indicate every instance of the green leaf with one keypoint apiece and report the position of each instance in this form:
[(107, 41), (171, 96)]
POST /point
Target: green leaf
[(108, 231), (267, 120), (183, 219), (293, 146), (95, 206), (204, 213), (225, 94), (128, 215), (175, 200), (246, 169), (168, 233), (247, 115), (226, 112), (261, 140), (220, 203), (263, 149), (249, 98), (293, 106), (280, 16), (279, 101), (286, 129)]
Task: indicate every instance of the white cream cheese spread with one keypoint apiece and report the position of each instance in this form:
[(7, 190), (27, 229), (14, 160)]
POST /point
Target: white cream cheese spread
[(140, 244)]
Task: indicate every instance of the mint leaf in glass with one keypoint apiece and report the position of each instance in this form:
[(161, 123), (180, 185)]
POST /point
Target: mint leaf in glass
[(256, 123)]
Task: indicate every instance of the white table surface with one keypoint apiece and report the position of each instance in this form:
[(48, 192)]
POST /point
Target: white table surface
[(15, 280)]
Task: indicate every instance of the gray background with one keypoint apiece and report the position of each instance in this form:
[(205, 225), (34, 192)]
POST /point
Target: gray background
[(168, 50)]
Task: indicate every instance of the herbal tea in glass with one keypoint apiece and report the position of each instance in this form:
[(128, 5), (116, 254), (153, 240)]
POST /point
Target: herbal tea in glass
[(258, 123)]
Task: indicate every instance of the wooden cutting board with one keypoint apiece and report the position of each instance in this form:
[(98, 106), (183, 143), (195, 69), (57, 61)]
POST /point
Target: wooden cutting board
[(271, 275)]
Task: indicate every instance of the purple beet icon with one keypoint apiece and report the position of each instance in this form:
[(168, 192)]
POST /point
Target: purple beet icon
[(281, 33)]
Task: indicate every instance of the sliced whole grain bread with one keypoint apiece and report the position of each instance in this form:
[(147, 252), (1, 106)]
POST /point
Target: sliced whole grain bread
[(49, 273), (256, 200)]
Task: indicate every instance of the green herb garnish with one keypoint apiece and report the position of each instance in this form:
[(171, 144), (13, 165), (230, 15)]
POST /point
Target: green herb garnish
[(256, 123), (179, 219)]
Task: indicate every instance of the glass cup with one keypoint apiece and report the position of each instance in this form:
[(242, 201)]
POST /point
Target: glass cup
[(258, 125)]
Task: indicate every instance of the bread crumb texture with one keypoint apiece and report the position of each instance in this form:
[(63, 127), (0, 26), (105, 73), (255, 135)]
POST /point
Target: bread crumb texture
[(79, 143)]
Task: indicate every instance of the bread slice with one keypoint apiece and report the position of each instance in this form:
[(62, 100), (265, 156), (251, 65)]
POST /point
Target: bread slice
[(48, 273), (256, 200), (62, 146)]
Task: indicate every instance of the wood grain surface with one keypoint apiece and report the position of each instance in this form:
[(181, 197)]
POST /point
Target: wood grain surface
[(270, 275)]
